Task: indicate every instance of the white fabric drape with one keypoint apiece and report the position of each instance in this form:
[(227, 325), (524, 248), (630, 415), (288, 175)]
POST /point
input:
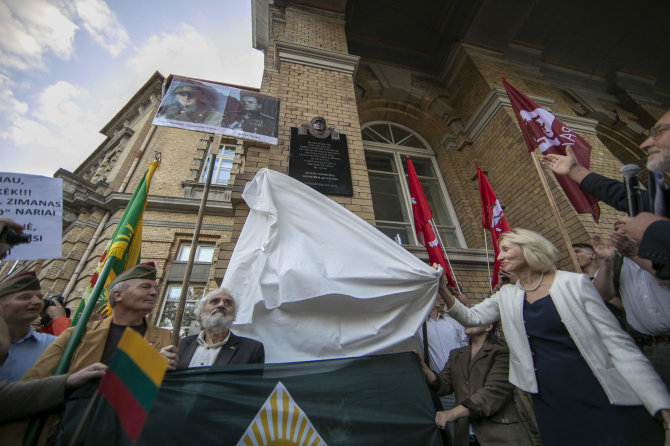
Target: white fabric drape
[(314, 281)]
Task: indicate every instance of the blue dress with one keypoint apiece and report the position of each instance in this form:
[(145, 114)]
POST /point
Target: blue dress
[(571, 407)]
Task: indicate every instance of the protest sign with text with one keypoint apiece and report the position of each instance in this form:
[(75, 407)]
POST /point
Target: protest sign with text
[(36, 203)]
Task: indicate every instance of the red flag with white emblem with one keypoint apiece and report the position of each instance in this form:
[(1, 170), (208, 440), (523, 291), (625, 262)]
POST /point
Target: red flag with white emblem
[(423, 222), (542, 129), (493, 219)]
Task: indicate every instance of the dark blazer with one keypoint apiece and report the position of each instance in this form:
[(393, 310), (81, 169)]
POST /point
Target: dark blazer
[(613, 192), (237, 350), (482, 386), (655, 246)]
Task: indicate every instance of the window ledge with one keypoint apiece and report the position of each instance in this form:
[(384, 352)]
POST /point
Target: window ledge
[(217, 192), (475, 258)]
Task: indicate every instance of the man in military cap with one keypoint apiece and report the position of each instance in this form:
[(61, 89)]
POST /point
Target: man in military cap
[(132, 295), (20, 304), (252, 119), (195, 103)]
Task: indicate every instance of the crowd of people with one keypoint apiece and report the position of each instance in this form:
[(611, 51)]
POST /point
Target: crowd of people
[(561, 369)]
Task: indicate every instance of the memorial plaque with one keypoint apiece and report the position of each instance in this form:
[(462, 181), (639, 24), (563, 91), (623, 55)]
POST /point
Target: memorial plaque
[(320, 162)]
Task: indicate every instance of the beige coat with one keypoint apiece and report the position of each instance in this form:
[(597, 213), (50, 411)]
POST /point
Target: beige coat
[(90, 348), (88, 352), (624, 373)]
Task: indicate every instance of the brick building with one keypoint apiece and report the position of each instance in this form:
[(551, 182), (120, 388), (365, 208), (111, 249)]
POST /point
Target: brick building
[(397, 78)]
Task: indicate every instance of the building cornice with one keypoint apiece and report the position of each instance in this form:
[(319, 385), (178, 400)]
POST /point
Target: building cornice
[(260, 24), (81, 194), (497, 99), (314, 57), (472, 259)]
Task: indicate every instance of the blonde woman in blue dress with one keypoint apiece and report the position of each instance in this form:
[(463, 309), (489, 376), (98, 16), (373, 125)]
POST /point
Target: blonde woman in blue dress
[(590, 382)]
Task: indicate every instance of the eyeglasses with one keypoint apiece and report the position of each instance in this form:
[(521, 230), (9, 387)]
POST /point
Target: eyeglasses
[(657, 130)]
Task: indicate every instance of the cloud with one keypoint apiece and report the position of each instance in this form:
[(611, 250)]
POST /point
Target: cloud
[(10, 105), (58, 125), (103, 25), (187, 52), (32, 29), (60, 131)]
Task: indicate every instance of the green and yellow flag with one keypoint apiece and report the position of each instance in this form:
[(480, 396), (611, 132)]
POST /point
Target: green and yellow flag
[(125, 244)]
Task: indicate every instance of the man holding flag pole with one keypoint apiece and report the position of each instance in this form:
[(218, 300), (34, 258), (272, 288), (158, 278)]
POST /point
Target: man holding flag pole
[(134, 292)]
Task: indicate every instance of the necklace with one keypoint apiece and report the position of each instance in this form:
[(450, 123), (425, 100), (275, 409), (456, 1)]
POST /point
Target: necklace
[(535, 287)]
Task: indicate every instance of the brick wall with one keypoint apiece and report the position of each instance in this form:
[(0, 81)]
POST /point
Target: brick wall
[(305, 92)]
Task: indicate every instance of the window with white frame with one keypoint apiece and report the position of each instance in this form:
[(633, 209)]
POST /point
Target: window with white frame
[(222, 165), (203, 253), (170, 304), (386, 147)]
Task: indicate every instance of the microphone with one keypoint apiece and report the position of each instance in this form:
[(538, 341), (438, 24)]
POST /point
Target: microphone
[(630, 174)]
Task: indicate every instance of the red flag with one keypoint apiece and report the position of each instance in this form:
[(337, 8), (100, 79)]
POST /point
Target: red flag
[(541, 129), (493, 219), (422, 222)]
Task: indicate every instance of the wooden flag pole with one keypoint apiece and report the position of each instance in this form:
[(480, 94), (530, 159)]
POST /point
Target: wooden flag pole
[(214, 148), (554, 209), (84, 417), (37, 424), (444, 252), (488, 262)]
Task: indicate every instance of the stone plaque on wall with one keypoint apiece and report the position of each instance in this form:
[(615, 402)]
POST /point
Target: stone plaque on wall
[(320, 159)]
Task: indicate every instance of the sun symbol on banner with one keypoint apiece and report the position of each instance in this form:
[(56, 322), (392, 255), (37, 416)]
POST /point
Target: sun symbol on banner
[(280, 422)]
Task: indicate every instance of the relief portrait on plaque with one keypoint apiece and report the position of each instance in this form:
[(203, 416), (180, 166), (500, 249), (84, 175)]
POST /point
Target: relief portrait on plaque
[(319, 158)]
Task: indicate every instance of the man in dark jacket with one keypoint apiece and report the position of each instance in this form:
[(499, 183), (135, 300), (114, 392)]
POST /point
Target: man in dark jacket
[(640, 291), (216, 345)]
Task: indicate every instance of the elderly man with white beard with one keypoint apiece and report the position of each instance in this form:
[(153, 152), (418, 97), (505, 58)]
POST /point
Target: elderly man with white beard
[(216, 344)]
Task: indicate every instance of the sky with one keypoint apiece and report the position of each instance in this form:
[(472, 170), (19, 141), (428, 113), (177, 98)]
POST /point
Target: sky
[(68, 66)]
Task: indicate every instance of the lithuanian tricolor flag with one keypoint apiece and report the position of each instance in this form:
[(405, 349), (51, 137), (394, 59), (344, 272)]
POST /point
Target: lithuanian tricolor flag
[(132, 381), (124, 245)]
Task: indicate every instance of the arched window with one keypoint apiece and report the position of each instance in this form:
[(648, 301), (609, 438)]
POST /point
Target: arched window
[(386, 146)]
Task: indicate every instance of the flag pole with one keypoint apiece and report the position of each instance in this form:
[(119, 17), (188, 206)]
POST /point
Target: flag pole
[(554, 209), (9, 273), (194, 243), (488, 262), (84, 417), (444, 251), (35, 427)]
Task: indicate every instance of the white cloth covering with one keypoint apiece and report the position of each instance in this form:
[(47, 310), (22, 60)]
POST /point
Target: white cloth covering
[(314, 281)]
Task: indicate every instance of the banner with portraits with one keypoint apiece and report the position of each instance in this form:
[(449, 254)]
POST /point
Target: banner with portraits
[(202, 106)]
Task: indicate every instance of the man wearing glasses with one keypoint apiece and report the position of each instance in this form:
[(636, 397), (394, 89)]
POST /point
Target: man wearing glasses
[(651, 227), (640, 239), (613, 192)]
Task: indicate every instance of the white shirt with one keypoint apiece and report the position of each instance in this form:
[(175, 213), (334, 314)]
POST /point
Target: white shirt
[(204, 354), (646, 301), (444, 335)]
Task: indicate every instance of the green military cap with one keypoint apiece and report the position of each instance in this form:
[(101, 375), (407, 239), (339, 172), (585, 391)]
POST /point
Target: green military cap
[(19, 282), (141, 271)]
